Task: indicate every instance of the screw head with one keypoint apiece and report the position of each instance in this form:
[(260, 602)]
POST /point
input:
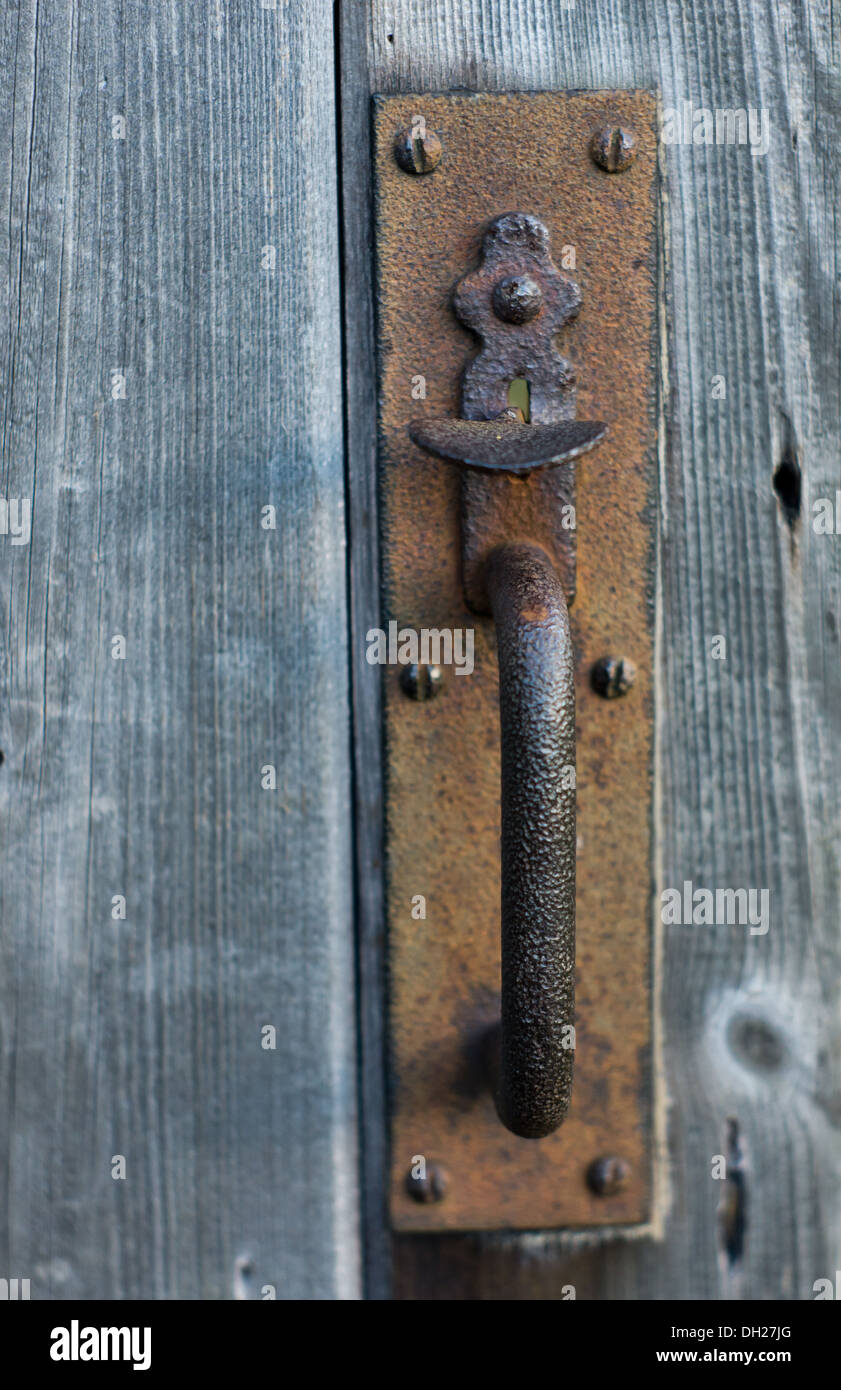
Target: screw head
[(421, 682), (430, 1188), (517, 299), (613, 676), (608, 1175), (417, 150), (613, 148)]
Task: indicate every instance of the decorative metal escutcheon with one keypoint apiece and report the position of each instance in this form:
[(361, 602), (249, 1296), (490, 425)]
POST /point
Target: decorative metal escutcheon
[(517, 323)]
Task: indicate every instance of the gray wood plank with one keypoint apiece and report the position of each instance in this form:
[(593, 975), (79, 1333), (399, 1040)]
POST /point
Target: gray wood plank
[(364, 568), (749, 761), (146, 255)]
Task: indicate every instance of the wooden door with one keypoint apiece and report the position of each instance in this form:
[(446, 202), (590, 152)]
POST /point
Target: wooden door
[(171, 369), (190, 791), (747, 746)]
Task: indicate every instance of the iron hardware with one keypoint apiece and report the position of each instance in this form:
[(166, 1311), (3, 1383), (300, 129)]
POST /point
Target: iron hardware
[(516, 302), (490, 507)]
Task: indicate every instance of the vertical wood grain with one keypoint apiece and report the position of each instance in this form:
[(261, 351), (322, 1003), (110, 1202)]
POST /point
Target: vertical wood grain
[(198, 258), (750, 784)]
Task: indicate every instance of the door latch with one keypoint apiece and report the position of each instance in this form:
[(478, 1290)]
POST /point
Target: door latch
[(491, 806), (516, 303)]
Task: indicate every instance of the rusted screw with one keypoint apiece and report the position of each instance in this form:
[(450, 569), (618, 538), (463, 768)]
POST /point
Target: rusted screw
[(517, 299), (421, 682), (613, 676), (608, 1175), (417, 150), (613, 148), (430, 1188)]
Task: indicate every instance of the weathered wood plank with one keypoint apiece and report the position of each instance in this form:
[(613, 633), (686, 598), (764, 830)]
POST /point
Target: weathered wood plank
[(750, 792), (364, 569), (193, 253)]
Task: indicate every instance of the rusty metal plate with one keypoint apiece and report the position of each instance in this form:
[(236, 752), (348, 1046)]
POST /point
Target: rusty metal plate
[(531, 152)]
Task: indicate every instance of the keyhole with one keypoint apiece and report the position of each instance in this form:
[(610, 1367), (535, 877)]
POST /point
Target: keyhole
[(518, 396)]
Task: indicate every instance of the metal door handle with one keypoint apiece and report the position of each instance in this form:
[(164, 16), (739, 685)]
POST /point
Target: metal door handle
[(525, 596), (517, 301), (537, 738)]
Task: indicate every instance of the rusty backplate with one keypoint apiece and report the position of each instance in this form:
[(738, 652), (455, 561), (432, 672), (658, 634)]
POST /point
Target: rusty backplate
[(500, 153)]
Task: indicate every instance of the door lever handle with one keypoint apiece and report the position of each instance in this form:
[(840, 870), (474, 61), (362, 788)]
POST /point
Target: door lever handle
[(509, 572)]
